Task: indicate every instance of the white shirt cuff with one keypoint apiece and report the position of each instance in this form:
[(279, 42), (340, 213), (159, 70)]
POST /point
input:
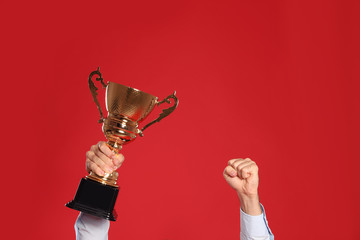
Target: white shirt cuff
[(254, 227)]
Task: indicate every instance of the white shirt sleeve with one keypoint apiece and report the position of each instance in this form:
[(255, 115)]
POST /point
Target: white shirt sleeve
[(254, 227), (88, 227)]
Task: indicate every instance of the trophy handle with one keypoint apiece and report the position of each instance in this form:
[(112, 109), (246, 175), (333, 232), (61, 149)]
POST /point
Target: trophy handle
[(165, 112), (93, 90)]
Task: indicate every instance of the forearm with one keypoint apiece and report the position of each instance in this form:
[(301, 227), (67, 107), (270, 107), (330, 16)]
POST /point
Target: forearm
[(88, 227)]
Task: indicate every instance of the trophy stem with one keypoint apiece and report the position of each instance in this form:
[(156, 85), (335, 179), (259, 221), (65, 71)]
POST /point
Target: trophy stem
[(115, 146)]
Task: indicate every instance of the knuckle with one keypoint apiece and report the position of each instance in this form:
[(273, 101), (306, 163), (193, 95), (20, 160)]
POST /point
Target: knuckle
[(89, 155), (238, 161), (228, 169), (233, 161), (96, 150), (253, 165), (234, 165), (103, 147), (239, 168)]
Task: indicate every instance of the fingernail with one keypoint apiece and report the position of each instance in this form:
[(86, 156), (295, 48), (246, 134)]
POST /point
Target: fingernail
[(233, 173), (102, 173), (114, 168)]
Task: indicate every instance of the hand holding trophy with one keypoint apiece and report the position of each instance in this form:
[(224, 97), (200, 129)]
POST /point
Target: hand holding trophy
[(126, 107)]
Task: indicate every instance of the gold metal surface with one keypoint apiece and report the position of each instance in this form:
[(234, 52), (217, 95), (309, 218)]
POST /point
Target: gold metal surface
[(93, 90), (165, 112), (108, 179), (126, 107)]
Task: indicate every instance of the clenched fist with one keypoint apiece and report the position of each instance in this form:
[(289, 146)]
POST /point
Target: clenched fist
[(243, 176), (100, 159)]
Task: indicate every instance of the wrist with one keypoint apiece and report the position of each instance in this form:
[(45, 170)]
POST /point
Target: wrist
[(250, 204)]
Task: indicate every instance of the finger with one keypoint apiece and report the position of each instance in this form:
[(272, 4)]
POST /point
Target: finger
[(118, 159), (105, 159), (231, 162), (230, 171), (103, 147), (239, 161), (235, 161), (240, 169), (92, 167), (99, 162), (247, 170), (240, 164)]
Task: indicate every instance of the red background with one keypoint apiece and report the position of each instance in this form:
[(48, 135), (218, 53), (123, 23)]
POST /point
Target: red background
[(276, 81)]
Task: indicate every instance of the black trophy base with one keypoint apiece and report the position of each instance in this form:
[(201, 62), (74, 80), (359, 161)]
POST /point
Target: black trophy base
[(96, 199)]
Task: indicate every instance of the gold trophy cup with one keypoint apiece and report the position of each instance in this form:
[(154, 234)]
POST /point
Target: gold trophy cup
[(126, 107)]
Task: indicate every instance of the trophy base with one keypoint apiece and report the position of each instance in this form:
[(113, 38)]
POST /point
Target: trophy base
[(96, 199)]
